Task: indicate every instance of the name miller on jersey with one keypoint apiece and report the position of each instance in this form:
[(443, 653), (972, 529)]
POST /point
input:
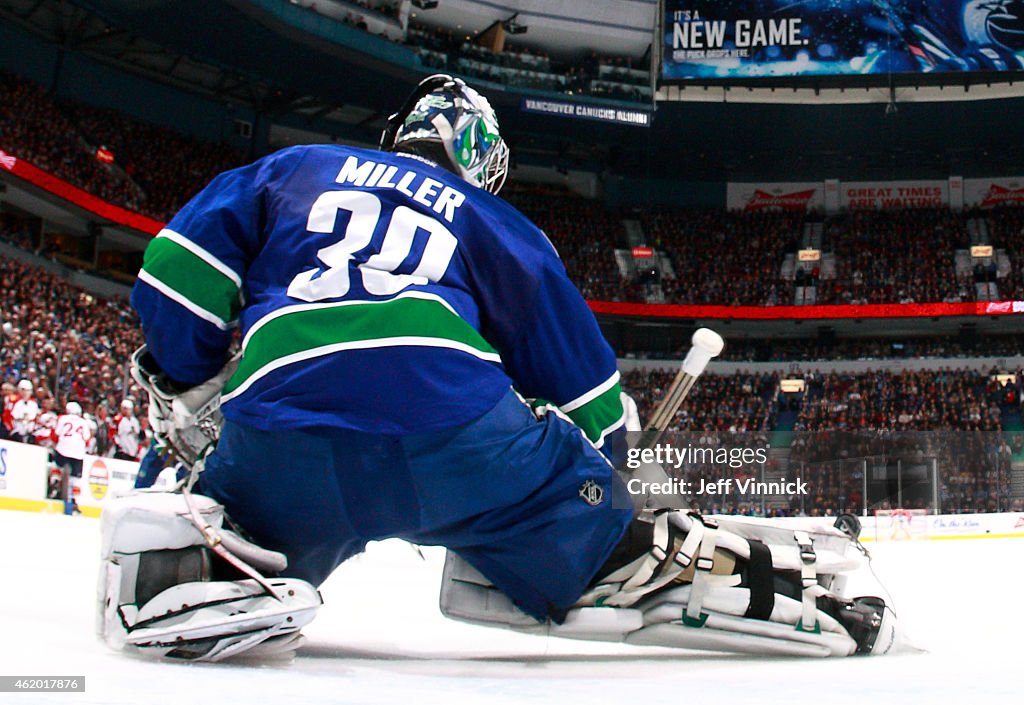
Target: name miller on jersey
[(441, 199)]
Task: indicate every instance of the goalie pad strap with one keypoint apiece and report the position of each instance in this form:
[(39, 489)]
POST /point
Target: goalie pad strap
[(705, 562), (809, 581), (760, 581)]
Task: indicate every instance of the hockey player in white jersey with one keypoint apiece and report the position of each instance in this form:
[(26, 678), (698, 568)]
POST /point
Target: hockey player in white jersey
[(71, 435), (394, 313), (24, 413), (126, 432)]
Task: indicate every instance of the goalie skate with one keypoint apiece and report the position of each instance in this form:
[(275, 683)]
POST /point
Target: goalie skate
[(214, 621)]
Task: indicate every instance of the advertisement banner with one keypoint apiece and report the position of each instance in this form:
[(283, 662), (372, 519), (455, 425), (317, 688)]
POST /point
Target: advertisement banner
[(22, 470), (103, 478), (790, 196), (992, 193), (83, 199), (962, 525), (744, 39), (830, 195), (879, 195)]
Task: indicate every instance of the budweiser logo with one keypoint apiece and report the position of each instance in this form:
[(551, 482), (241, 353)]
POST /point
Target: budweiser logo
[(1020, 523), (999, 307), (999, 195), (796, 201)]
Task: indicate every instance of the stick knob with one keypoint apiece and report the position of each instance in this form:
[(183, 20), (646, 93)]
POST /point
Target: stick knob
[(706, 345)]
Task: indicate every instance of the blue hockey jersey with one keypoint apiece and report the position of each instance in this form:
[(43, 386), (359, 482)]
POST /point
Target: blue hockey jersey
[(373, 291)]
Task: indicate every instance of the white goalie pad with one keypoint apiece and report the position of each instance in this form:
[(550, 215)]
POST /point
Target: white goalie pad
[(159, 591), (709, 603)]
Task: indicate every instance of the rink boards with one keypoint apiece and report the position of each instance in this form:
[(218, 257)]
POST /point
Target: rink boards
[(24, 476)]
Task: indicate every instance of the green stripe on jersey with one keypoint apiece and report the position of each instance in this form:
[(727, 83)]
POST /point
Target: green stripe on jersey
[(193, 278), (599, 414), (320, 329)]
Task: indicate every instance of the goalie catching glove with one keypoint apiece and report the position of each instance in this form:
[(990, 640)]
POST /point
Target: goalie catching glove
[(185, 420), (722, 584)]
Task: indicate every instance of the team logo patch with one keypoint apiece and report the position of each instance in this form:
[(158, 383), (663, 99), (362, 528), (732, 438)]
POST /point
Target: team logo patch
[(592, 493)]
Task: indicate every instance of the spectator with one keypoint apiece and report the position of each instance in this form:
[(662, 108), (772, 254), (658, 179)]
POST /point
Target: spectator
[(127, 432), (24, 413)]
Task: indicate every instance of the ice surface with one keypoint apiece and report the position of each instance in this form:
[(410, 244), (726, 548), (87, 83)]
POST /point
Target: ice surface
[(380, 639)]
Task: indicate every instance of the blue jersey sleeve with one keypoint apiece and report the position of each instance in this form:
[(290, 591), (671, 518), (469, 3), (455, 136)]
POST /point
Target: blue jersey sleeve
[(549, 340), (190, 289)]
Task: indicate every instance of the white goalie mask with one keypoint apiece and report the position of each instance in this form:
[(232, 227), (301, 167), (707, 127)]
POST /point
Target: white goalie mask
[(447, 121)]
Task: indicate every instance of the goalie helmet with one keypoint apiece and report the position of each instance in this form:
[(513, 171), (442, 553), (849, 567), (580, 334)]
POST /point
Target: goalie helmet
[(448, 122)]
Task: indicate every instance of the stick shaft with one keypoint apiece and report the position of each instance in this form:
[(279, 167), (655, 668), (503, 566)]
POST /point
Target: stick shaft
[(706, 345), (662, 417)]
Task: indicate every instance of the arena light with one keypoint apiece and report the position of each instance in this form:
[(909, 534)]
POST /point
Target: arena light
[(792, 386), (512, 26)]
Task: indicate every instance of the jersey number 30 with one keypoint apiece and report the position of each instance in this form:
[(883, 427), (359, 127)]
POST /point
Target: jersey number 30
[(334, 279)]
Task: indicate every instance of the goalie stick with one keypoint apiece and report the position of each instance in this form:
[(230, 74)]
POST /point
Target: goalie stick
[(707, 344)]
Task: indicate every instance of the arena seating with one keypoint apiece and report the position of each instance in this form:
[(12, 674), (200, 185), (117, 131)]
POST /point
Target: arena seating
[(154, 170), (71, 345), (953, 415)]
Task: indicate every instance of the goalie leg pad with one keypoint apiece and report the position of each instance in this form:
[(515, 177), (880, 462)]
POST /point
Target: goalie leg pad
[(714, 586), (163, 592)]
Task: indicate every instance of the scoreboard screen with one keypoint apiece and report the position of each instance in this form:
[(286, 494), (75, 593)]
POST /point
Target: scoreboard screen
[(704, 40)]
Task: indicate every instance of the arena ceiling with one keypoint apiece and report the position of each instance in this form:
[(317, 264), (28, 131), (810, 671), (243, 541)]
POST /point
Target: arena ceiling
[(559, 27)]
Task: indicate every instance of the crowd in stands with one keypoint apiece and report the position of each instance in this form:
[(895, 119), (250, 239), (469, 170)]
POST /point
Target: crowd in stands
[(716, 256), (821, 349), (583, 233), (909, 400), (168, 167), (740, 403), (902, 256), (1006, 230), (73, 346), (736, 258), (34, 128), (815, 349), (709, 268), (841, 421), (154, 170), (69, 346)]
